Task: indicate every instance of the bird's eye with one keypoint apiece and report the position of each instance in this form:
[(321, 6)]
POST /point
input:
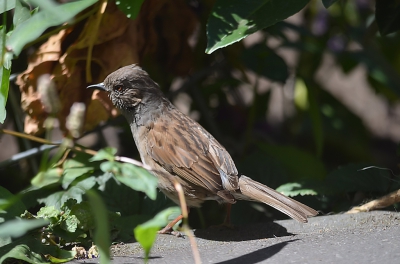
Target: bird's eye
[(118, 88)]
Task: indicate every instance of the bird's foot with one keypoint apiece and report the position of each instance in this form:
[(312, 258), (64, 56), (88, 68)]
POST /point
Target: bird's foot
[(169, 231)]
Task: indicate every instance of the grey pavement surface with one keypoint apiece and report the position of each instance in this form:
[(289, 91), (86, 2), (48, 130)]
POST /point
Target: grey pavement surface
[(372, 237)]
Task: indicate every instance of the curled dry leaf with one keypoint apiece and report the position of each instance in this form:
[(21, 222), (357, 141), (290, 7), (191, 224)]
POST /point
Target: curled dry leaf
[(160, 32)]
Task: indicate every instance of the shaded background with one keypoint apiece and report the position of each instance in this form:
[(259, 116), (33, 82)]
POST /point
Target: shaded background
[(308, 101)]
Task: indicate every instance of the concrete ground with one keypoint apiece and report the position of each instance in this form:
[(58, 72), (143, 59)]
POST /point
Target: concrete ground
[(372, 237)]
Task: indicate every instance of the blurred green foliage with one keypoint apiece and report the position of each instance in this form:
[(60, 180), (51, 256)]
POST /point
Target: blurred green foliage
[(263, 98)]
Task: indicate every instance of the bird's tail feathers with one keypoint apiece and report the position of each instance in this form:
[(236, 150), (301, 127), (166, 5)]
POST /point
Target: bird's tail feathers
[(255, 191)]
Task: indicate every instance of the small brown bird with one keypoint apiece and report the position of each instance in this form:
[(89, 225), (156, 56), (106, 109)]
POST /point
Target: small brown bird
[(179, 149)]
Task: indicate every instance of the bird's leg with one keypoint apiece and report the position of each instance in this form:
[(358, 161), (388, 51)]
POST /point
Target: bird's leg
[(227, 221)]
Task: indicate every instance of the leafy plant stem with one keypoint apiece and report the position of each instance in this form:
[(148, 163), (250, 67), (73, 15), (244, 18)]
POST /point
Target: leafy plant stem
[(73, 147), (185, 226), (92, 39)]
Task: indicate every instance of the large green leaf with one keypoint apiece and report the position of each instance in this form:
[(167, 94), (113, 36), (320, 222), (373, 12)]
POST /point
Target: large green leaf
[(138, 179), (18, 227), (33, 27), (6, 5), (24, 253), (21, 13), (146, 233), (30, 249), (232, 20)]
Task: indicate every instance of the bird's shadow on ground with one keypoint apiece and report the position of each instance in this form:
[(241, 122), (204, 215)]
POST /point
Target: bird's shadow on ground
[(243, 233), (258, 255)]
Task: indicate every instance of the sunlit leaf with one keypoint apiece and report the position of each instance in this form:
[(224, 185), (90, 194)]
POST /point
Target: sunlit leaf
[(104, 154), (33, 27), (138, 179), (72, 170), (294, 189), (232, 20), (47, 177), (146, 233)]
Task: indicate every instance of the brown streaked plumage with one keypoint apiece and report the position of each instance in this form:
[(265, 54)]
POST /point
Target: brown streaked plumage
[(177, 147)]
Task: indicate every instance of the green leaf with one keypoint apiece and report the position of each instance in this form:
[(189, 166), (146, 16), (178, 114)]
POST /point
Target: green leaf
[(105, 154), (24, 253), (4, 76), (18, 227), (21, 13), (50, 213), (47, 177), (5, 69), (138, 179), (71, 223), (328, 3), (62, 256), (33, 27), (84, 212), (131, 8), (232, 20), (102, 231), (72, 170), (294, 189), (10, 205), (146, 233), (264, 61), (387, 15), (6, 5)]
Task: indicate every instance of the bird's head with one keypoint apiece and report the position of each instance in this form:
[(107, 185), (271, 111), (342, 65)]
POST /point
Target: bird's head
[(128, 87)]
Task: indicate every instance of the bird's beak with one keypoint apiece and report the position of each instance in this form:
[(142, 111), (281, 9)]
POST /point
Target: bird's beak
[(99, 86)]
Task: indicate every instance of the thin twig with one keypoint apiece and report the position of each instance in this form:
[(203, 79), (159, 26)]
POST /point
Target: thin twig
[(132, 161), (73, 148), (185, 226), (92, 39)]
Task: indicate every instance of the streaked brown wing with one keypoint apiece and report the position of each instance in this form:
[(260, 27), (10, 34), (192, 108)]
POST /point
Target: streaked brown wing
[(178, 149)]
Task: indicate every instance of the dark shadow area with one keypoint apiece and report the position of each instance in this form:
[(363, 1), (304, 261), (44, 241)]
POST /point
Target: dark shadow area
[(258, 255), (243, 233)]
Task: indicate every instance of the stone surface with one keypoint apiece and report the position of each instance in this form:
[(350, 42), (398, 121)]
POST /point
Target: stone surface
[(372, 237)]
